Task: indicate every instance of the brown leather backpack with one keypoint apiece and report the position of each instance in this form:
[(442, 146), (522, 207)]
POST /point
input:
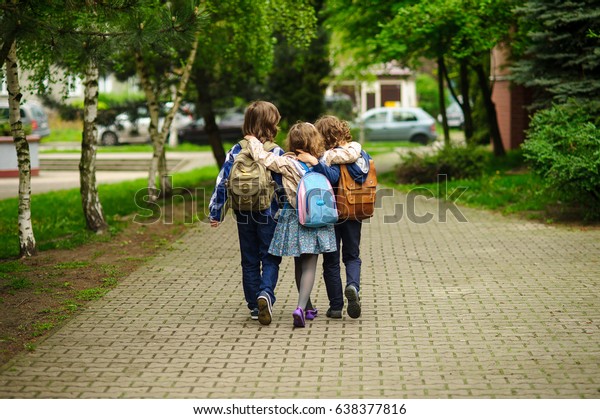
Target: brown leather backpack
[(354, 200)]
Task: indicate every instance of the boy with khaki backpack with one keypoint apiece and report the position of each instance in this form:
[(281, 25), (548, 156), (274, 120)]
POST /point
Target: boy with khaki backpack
[(250, 190)]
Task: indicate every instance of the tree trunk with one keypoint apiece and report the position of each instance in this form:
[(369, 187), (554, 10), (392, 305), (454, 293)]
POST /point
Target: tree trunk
[(159, 137), (441, 71), (26, 237), (90, 201), (466, 105), (491, 110), (163, 172), (153, 109), (6, 46), (205, 107)]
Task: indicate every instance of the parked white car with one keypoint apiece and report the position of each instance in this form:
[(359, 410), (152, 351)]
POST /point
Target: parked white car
[(124, 130), (455, 116), (398, 124)]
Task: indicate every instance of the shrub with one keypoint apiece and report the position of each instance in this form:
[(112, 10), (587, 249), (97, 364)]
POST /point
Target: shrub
[(563, 147), (455, 162)]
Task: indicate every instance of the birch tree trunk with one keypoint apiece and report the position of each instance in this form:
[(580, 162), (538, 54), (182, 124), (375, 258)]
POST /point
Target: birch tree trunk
[(26, 237), (90, 201), (153, 109), (159, 137)]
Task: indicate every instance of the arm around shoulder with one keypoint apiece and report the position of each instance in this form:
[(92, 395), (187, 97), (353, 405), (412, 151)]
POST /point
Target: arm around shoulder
[(344, 155)]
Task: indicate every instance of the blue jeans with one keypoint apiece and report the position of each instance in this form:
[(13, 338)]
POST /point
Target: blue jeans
[(348, 234), (255, 231)]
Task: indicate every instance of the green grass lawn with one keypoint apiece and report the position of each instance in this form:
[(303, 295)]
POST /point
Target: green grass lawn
[(381, 147), (507, 193), (58, 220), (507, 186)]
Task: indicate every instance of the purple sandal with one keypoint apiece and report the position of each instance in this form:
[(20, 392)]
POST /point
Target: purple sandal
[(311, 313), (299, 320)]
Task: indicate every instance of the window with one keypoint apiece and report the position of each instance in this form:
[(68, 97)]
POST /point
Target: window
[(377, 118), (403, 116)]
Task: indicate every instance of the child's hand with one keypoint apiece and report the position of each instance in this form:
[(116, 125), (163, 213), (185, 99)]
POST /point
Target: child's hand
[(214, 223), (307, 158)]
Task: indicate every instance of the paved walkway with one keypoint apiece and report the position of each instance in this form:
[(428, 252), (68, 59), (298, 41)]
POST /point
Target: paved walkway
[(490, 308)]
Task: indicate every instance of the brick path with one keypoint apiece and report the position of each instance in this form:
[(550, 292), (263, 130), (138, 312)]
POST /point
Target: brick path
[(494, 307)]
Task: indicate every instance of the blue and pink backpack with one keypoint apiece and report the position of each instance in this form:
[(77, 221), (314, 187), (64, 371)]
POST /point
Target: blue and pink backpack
[(315, 200)]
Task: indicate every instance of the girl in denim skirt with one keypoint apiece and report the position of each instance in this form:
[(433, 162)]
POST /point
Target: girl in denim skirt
[(291, 238)]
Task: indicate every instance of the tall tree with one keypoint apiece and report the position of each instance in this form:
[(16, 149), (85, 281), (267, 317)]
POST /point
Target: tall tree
[(463, 30), (236, 52), (297, 82), (560, 58), (26, 236)]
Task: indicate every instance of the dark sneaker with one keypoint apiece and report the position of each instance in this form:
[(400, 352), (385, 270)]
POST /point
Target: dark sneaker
[(334, 314), (353, 301), (299, 319), (254, 314), (311, 313), (265, 309)]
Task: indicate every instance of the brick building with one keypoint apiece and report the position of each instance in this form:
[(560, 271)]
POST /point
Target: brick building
[(510, 99)]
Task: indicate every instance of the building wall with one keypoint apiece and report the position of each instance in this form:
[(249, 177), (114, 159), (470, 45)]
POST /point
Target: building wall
[(511, 101)]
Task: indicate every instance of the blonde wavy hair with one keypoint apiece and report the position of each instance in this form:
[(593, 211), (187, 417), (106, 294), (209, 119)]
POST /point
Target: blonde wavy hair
[(334, 131)]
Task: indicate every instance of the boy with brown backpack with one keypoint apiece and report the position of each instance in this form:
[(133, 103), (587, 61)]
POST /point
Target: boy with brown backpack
[(355, 199)]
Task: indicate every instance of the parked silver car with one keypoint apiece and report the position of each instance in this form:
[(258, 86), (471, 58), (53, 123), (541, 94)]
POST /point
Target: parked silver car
[(32, 114), (125, 130), (398, 124)]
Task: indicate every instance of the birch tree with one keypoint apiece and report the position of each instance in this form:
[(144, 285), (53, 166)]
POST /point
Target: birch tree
[(90, 201), (26, 236), (158, 134)]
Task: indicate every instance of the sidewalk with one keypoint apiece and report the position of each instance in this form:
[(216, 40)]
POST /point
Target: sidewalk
[(491, 308), (51, 180)]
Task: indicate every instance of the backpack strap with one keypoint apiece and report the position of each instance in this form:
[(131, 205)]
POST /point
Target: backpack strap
[(267, 145), (305, 166)]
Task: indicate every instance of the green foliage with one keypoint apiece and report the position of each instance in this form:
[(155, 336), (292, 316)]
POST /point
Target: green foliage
[(355, 24), (454, 162), (428, 94), (558, 57), (296, 84), (563, 147), (6, 131), (508, 193)]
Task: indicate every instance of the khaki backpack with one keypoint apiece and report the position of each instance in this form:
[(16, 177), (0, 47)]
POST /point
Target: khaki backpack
[(250, 186), (354, 200)]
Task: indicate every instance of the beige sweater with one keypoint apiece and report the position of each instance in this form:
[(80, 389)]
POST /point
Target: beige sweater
[(290, 168)]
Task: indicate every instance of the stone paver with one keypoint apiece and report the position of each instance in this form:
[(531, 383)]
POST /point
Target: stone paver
[(491, 308)]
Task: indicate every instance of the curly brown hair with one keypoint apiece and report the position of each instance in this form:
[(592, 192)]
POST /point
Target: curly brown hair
[(305, 136), (260, 120), (334, 131)]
